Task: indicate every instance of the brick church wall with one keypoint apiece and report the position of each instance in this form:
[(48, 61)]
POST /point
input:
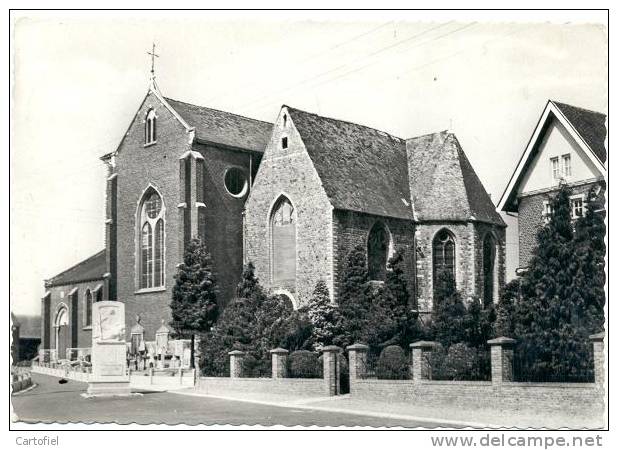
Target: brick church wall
[(464, 260), (499, 272), (80, 334), (468, 259), (221, 225), (290, 172), (137, 166), (351, 229)]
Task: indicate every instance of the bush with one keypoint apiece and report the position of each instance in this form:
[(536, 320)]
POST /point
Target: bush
[(392, 364), (304, 364), (460, 362)]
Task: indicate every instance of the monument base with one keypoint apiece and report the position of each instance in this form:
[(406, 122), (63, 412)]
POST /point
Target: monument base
[(108, 388)]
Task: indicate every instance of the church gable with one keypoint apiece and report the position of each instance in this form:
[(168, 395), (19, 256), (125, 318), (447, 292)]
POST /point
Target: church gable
[(288, 217), (154, 121)]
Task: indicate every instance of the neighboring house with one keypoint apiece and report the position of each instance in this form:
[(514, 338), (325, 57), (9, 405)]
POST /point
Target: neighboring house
[(326, 186), (26, 337), (183, 171), (567, 146), (66, 307)]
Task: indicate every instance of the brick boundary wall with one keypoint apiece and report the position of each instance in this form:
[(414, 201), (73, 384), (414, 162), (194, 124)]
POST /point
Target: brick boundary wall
[(500, 392), (544, 397), (306, 387)]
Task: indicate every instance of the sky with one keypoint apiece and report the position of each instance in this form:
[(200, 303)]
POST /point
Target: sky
[(79, 79)]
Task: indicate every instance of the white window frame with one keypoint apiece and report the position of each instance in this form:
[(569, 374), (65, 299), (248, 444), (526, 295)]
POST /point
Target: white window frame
[(547, 211), (572, 206), (554, 165), (563, 166)]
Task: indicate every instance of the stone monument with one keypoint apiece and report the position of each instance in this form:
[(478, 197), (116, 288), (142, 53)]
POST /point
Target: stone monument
[(109, 351)]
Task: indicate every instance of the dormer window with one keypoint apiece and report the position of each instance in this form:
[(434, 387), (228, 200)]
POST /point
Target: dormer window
[(150, 128)]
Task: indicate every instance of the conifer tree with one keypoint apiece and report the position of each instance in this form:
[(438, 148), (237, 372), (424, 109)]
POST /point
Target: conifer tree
[(562, 295), (194, 295), (354, 299), (391, 320), (506, 309), (323, 315), (449, 310)]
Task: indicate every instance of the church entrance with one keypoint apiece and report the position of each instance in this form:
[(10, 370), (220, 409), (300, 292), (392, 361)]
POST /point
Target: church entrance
[(61, 326)]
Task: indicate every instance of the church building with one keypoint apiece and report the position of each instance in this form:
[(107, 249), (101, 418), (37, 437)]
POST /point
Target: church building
[(293, 197)]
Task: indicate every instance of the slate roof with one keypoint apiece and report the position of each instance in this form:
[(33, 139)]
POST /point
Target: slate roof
[(361, 169), (366, 170), (92, 268), (225, 128), (589, 124), (443, 183)]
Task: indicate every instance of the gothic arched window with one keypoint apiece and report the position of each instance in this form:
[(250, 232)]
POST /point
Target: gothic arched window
[(378, 245), (489, 261), (61, 325), (443, 254), (150, 127), (88, 308), (283, 232), (151, 241)]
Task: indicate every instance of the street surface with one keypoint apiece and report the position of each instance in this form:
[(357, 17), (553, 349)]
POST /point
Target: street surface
[(62, 403)]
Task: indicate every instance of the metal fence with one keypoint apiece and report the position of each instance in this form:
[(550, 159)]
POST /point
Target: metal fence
[(256, 368), (460, 363), (304, 364), (391, 364), (528, 368)]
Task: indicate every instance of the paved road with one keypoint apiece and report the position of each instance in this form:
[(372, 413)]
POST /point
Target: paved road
[(53, 402)]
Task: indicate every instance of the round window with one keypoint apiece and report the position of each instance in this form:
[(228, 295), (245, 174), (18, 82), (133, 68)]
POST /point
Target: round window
[(236, 182)]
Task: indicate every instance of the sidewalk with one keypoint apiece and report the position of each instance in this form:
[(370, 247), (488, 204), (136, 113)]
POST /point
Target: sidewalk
[(455, 417)]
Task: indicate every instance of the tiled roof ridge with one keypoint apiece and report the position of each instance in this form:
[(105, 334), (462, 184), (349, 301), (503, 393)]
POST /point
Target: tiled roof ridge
[(83, 261), (556, 102), (215, 109), (392, 136)]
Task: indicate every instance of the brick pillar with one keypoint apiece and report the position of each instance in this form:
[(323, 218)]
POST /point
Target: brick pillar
[(279, 362), (236, 358), (330, 355), (421, 368), (357, 355), (501, 359), (598, 348)]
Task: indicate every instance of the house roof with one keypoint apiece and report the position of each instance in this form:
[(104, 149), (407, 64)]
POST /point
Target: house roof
[(29, 326), (92, 268), (367, 170), (587, 128), (589, 124), (220, 127), (443, 183), (361, 169)]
